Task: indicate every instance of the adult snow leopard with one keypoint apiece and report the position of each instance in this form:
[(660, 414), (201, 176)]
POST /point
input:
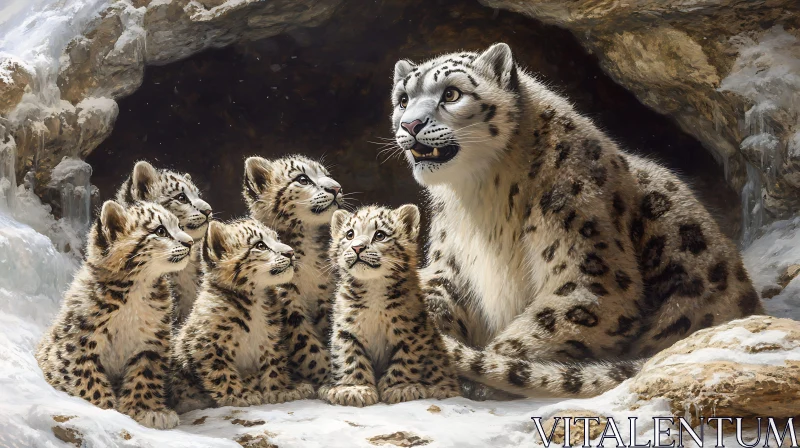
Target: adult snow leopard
[(178, 194), (556, 260)]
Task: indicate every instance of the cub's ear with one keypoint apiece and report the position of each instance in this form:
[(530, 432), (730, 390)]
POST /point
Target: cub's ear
[(408, 215), (113, 219), (188, 177), (497, 63), (401, 69), (257, 175), (338, 219), (143, 180), (216, 243)]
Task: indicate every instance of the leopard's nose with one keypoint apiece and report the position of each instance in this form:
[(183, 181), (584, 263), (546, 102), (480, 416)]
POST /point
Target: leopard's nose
[(333, 190), (357, 248), (413, 127)]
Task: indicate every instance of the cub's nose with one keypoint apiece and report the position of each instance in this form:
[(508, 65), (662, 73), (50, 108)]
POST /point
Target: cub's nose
[(288, 253), (333, 190), (357, 248), (206, 212), (413, 127)]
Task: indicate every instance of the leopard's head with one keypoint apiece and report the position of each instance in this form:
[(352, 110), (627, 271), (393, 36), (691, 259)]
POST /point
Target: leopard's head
[(375, 242), (144, 238), (455, 114), (175, 191), (246, 255), (291, 188)]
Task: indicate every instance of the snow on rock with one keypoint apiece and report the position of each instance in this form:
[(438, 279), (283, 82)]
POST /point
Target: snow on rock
[(767, 258)]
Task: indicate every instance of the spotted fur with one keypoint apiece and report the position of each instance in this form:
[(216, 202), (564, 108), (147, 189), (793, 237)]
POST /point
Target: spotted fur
[(297, 197), (553, 253), (383, 345), (179, 195), (230, 352), (110, 343)]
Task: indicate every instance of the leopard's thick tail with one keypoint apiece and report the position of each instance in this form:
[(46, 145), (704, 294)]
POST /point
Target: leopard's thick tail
[(540, 378)]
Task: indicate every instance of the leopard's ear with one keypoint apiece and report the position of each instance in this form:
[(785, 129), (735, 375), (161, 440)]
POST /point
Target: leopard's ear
[(408, 215), (337, 221), (401, 69), (143, 180), (216, 243), (257, 176), (188, 177), (113, 219), (497, 63)]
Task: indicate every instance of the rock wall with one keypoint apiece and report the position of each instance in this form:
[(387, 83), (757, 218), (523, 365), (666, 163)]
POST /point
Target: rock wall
[(728, 72), (323, 91)]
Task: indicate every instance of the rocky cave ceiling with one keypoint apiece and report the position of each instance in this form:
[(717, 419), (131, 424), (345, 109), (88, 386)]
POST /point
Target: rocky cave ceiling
[(323, 91)]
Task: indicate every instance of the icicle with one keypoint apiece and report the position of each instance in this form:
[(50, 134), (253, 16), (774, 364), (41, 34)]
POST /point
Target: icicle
[(8, 175), (72, 178), (752, 206)]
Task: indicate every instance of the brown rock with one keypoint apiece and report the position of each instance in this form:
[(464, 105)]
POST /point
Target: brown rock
[(674, 56), (738, 368), (247, 423), (433, 409), (770, 291), (400, 438), (14, 80), (789, 274), (260, 440), (576, 434), (68, 435)]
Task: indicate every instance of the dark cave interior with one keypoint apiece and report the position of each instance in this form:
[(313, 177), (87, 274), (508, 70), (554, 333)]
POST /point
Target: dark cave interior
[(324, 91)]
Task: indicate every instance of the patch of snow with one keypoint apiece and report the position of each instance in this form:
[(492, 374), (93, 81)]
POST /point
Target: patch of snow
[(768, 257), (748, 340), (706, 355)]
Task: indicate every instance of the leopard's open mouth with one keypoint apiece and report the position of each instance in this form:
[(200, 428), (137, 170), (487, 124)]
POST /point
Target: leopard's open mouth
[(425, 153)]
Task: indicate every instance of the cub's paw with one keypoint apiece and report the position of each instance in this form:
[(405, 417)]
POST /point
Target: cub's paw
[(233, 400), (283, 395), (442, 391), (163, 419), (358, 396), (403, 392), (252, 398), (305, 390)]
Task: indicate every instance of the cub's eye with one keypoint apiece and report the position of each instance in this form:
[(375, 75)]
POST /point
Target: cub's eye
[(302, 180), (260, 246), (182, 198), (451, 95), (161, 231), (380, 235), (350, 234), (403, 101)]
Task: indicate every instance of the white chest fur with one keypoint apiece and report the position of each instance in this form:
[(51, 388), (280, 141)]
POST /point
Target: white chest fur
[(253, 343), (491, 260), (128, 331), (373, 330)]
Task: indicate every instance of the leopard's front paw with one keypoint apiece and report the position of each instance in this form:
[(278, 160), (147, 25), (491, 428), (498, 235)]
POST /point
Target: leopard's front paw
[(233, 400), (403, 392), (162, 419), (358, 396), (305, 390), (442, 391)]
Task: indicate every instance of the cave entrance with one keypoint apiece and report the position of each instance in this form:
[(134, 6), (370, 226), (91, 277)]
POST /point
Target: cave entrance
[(324, 92)]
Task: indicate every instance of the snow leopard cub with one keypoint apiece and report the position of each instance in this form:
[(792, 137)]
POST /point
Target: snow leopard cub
[(381, 331), (230, 351), (110, 343), (297, 197), (177, 193)]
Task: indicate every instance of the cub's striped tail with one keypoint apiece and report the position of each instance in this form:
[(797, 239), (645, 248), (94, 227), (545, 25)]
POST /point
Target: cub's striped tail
[(539, 378)]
